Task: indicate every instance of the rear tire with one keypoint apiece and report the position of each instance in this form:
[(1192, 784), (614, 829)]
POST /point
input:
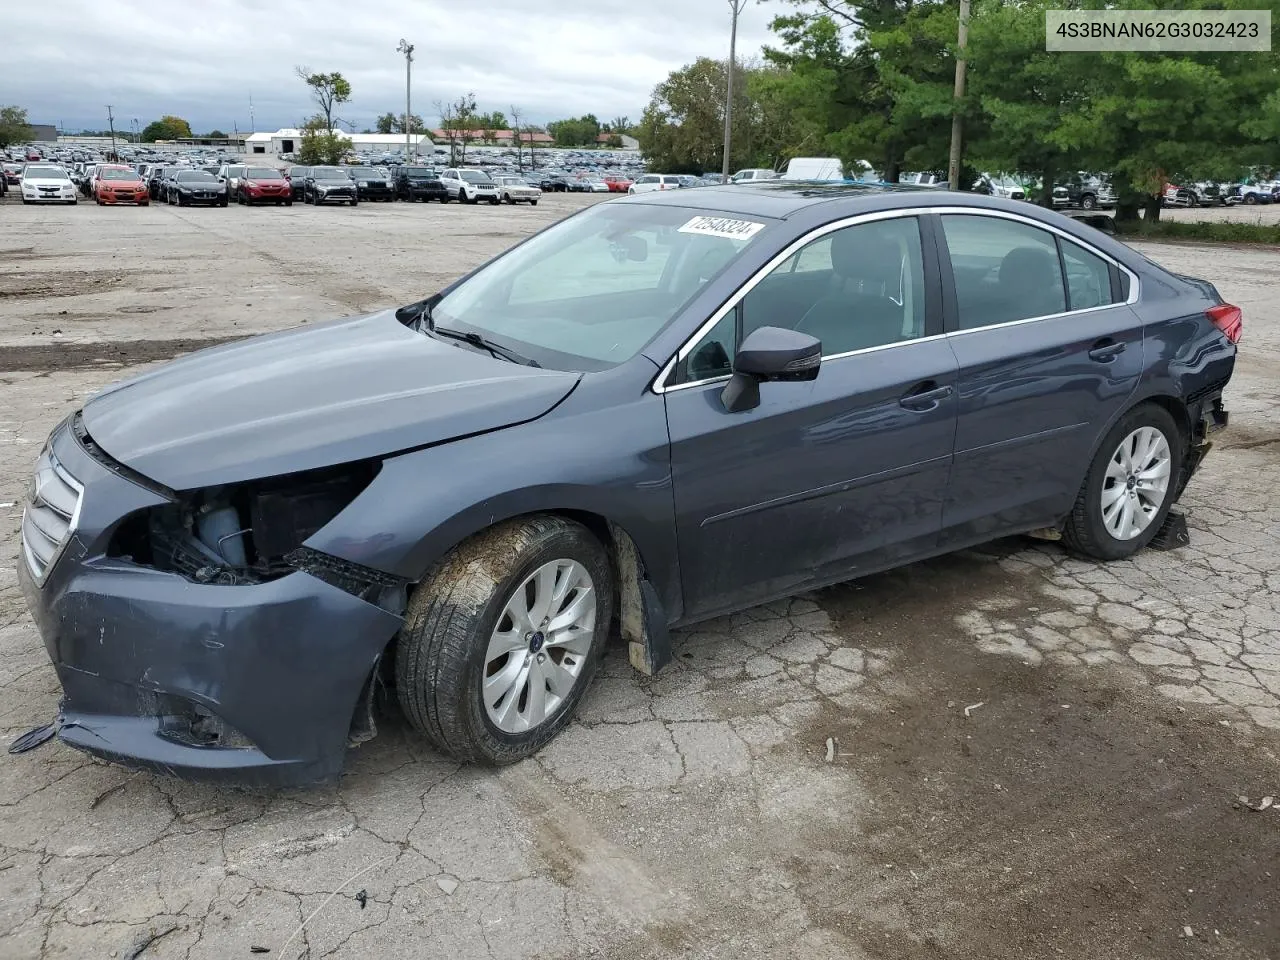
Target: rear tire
[(1089, 527), (446, 649)]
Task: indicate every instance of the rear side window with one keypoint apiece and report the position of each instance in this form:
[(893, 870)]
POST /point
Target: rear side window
[(1088, 277), (1004, 271)]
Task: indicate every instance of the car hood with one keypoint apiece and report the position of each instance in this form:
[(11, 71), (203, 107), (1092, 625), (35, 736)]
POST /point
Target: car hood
[(333, 181), (311, 397), (47, 181)]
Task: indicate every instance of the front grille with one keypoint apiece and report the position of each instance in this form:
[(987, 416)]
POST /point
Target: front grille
[(50, 515)]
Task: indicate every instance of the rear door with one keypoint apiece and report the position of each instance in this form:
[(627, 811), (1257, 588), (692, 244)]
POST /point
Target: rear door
[(1049, 353), (826, 479)]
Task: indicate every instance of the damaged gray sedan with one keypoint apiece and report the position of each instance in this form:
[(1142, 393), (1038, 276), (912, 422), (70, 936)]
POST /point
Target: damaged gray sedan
[(660, 410)]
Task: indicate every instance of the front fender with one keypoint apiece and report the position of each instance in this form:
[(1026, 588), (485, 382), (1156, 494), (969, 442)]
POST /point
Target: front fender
[(609, 459)]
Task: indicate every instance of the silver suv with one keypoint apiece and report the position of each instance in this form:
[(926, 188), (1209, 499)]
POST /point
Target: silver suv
[(231, 174), (469, 186)]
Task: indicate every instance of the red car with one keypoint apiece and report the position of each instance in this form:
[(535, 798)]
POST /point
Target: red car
[(13, 173), (119, 184), (618, 183), (264, 185)]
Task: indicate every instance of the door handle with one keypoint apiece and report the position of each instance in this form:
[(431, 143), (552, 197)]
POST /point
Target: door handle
[(926, 397), (1104, 351)]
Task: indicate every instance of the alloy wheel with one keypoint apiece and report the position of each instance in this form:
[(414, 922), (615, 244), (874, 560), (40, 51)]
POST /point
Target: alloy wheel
[(539, 646), (1136, 483)]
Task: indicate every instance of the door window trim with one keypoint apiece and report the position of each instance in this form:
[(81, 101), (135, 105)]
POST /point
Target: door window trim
[(659, 384)]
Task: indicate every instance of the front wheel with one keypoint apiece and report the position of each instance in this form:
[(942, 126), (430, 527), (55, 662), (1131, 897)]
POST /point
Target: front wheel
[(493, 201), (1251, 199), (502, 638), (1130, 486), (1088, 202), (533, 203)]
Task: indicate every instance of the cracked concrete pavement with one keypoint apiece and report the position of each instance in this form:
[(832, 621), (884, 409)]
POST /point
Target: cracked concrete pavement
[(1084, 805)]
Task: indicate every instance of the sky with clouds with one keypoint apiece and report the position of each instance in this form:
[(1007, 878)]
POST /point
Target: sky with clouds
[(204, 59)]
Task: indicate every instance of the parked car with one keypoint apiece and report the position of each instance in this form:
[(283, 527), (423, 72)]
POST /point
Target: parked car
[(373, 183), (297, 177), (46, 183), (263, 185), (594, 184), (517, 190), (994, 185), (654, 181), (120, 184), (225, 552), (155, 182), (552, 182), (230, 174), (190, 187), (753, 174), (1176, 196), (329, 184), (12, 173), (814, 168), (468, 185), (1087, 193), (617, 182), (420, 183), (1249, 194)]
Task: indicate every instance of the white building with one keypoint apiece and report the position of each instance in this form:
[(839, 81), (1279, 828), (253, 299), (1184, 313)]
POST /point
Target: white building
[(289, 140)]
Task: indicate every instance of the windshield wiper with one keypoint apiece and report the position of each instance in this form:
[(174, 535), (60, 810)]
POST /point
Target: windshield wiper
[(476, 340)]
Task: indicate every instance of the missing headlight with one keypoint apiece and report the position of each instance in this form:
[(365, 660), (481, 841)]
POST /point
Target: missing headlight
[(240, 533)]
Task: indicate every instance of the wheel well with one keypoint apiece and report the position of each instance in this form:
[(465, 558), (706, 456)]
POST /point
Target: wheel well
[(1176, 409)]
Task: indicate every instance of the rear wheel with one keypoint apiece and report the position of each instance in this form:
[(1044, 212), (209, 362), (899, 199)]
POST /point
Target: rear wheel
[(1129, 488), (502, 638)]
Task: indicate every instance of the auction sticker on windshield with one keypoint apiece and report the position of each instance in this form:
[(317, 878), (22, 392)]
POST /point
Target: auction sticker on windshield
[(723, 227)]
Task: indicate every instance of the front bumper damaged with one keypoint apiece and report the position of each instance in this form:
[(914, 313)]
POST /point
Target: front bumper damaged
[(252, 683)]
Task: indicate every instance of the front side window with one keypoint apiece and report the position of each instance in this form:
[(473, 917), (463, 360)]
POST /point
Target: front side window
[(591, 291), (1004, 270), (858, 287), (855, 288)]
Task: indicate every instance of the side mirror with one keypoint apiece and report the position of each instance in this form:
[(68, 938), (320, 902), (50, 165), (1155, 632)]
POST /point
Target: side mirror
[(770, 354)]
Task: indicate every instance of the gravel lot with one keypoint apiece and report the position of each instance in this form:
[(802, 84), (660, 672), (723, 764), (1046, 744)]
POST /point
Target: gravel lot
[(1087, 808)]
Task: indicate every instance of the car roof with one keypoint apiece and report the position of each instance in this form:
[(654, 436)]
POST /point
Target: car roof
[(782, 198)]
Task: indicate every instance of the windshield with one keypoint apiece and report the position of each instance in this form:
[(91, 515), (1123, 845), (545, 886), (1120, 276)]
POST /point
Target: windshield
[(45, 173), (329, 173), (117, 175), (474, 176), (195, 176), (423, 172), (261, 173), (589, 292)]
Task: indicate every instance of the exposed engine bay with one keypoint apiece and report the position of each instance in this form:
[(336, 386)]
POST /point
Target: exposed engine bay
[(253, 532)]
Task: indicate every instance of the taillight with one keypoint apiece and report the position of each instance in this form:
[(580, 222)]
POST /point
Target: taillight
[(1229, 319)]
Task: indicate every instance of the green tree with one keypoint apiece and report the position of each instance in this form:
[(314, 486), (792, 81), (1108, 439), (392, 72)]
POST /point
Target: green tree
[(14, 127), (682, 129), (458, 121), (216, 135), (579, 132), (320, 144), (327, 89), (394, 123), (166, 128)]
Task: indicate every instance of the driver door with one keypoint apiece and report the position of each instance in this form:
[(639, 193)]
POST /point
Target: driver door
[(828, 479)]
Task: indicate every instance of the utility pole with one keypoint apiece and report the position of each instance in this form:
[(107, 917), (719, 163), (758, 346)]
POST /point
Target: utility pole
[(253, 126), (407, 49), (111, 122), (957, 124), (736, 6)]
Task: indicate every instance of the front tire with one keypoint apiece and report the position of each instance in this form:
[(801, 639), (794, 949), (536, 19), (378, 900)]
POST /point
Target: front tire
[(1088, 202), (1130, 486), (502, 638)]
